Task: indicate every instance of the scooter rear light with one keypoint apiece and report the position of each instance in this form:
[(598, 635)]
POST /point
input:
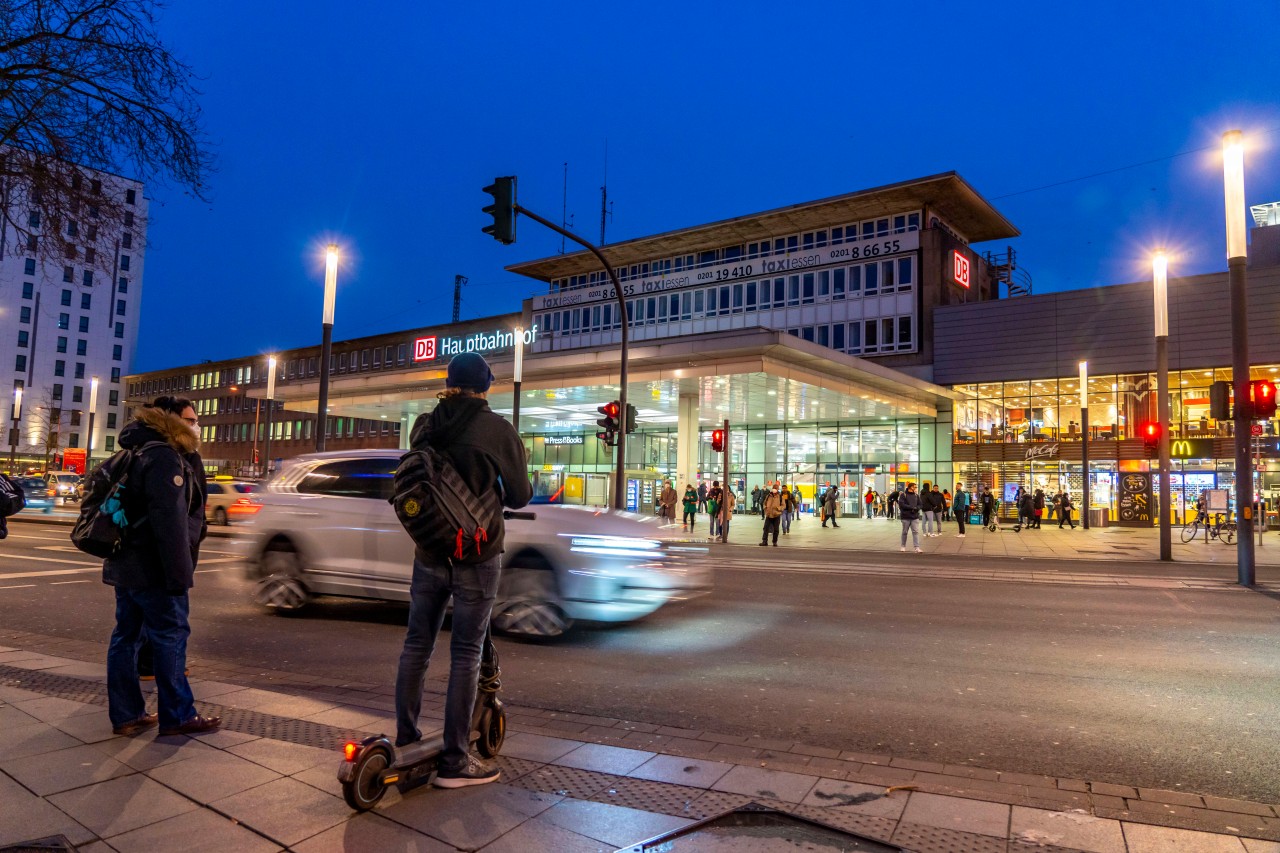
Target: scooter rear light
[(349, 751)]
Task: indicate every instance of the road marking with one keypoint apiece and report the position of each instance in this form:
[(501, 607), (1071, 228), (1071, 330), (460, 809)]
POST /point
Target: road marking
[(206, 571), (48, 573), (220, 560), (61, 583), (40, 538), (19, 586), (49, 560)]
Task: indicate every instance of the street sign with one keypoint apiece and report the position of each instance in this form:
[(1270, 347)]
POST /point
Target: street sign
[(1256, 429)]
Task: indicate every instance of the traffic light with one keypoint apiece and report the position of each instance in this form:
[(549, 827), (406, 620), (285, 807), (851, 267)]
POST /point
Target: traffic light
[(1220, 401), (609, 423), (1262, 397), (1150, 435), (631, 419), (717, 440), (503, 210)]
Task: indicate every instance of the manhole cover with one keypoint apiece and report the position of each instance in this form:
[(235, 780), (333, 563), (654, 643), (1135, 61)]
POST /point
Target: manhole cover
[(754, 828)]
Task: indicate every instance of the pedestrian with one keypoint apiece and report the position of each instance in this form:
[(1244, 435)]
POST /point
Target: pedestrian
[(727, 505), (879, 505), (714, 495), (1037, 506), (1064, 511), (702, 497), (755, 500), (909, 509), (1026, 509), (668, 500), (788, 509), (772, 509), (946, 505), (12, 501), (1055, 506), (893, 502), (931, 509), (869, 499), (829, 506), (489, 455), (988, 506), (690, 505), (959, 507), (155, 568)]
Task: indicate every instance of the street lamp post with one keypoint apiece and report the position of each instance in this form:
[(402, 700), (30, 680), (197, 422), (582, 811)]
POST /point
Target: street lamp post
[(271, 396), (1160, 282), (1084, 443), (517, 376), (330, 296), (13, 432), (1233, 185), (93, 410)]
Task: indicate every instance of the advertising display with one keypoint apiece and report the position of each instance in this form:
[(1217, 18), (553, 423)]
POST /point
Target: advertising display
[(1135, 500)]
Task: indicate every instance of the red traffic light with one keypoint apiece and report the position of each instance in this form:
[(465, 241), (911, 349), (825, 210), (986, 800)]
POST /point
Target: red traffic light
[(717, 440), (1150, 432), (1262, 394)]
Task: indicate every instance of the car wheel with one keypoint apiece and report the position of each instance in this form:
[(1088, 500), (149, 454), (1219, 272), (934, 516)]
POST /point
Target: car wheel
[(528, 605), (220, 516), (281, 587)]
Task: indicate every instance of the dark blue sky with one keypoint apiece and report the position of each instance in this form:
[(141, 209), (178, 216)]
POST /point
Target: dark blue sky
[(378, 123)]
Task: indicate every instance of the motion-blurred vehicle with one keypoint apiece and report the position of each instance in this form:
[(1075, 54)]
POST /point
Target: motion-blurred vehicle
[(62, 486), (231, 500), (36, 494), (326, 528)]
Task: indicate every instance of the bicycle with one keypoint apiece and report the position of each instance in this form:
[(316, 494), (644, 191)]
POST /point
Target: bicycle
[(1220, 529)]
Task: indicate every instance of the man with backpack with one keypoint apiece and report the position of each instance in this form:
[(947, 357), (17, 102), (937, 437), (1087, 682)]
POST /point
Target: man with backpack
[(489, 457), (12, 501), (161, 498)]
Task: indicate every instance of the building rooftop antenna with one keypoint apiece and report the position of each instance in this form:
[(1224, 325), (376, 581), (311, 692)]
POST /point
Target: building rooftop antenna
[(606, 208), (458, 281)]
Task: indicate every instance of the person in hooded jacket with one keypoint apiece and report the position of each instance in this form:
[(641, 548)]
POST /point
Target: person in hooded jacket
[(489, 455), (154, 569)]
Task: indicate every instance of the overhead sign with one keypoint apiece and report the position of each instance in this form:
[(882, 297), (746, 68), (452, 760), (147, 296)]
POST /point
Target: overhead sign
[(960, 268), (1191, 448), (1041, 451), (807, 260), (433, 347), (563, 439)]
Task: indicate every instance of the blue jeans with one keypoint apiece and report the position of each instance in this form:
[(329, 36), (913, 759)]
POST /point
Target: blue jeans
[(474, 588), (786, 522), (164, 617)]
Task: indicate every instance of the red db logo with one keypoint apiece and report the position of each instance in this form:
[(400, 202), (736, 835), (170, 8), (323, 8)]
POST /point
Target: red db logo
[(424, 349), (960, 269)]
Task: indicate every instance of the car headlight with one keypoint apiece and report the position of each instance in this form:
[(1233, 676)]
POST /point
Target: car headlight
[(615, 546)]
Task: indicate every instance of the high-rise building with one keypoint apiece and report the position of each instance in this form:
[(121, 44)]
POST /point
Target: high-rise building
[(67, 318)]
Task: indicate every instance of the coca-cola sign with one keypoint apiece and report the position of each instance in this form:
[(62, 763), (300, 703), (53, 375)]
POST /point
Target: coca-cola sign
[(1041, 451)]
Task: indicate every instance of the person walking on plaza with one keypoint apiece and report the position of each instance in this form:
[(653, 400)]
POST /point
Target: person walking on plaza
[(154, 569), (988, 506), (931, 508), (668, 500), (488, 454), (829, 506), (892, 504), (714, 495), (728, 502), (1064, 511), (772, 509), (1026, 510), (869, 499), (1037, 506), (946, 505), (702, 497), (690, 502), (909, 510), (788, 509), (755, 500), (960, 507)]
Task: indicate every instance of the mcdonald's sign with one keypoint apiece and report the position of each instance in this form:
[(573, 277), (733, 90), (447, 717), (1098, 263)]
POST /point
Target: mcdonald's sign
[(1191, 448)]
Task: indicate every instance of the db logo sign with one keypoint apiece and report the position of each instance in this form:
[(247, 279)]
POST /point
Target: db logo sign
[(960, 269), (424, 349)]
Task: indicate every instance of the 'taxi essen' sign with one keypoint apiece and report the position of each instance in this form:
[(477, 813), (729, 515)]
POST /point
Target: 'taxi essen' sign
[(433, 347)]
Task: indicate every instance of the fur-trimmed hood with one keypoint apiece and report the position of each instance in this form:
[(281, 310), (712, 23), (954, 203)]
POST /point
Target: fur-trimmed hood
[(151, 424)]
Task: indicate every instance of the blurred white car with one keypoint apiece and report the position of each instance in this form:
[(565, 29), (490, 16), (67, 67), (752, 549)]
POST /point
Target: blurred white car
[(326, 528)]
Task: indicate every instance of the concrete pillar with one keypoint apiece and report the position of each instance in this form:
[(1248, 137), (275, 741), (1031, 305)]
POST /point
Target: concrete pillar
[(405, 428), (687, 442)]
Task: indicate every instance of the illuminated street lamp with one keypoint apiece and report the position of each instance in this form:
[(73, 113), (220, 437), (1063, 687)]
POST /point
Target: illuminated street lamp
[(13, 432), (517, 376), (330, 297), (271, 396), (1160, 287), (1084, 443), (1233, 187), (93, 411)]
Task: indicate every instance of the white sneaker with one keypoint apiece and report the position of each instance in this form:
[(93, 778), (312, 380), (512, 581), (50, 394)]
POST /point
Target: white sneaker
[(903, 549), (918, 551), (959, 535)]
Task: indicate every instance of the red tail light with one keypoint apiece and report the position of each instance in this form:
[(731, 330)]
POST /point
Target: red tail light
[(349, 751), (244, 506)]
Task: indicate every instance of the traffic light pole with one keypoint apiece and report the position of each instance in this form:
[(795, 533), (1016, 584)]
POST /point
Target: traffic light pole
[(1243, 418), (620, 474), (724, 504), (1162, 414)]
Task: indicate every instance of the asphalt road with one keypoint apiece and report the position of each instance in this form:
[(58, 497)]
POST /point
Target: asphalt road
[(1152, 687)]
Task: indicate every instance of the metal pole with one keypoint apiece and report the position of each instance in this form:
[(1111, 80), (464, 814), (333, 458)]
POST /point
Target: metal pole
[(257, 415), (271, 395), (1084, 443), (724, 504), (517, 377), (620, 472), (1233, 192), (322, 410), (1160, 282)]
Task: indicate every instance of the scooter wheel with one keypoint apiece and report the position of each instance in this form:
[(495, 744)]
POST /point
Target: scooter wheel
[(365, 788), (493, 731)]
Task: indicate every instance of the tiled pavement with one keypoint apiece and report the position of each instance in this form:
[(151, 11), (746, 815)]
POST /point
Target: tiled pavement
[(571, 782)]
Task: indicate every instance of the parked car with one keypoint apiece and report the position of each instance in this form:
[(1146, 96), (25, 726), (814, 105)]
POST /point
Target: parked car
[(63, 486), (231, 500), (325, 528), (36, 493)]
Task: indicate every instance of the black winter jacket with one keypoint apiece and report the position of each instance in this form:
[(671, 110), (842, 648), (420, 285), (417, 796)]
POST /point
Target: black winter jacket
[(484, 448), (164, 502), (931, 501), (909, 506)]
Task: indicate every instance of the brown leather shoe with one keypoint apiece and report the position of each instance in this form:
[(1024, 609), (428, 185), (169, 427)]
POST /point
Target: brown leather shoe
[(133, 727), (194, 726)]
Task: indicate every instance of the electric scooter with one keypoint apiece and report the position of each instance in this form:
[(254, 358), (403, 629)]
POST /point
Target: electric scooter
[(375, 763)]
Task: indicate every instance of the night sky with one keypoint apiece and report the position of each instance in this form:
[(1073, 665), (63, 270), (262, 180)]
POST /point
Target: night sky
[(377, 124)]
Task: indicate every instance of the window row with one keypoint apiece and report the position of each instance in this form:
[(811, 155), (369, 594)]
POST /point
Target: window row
[(879, 277), (862, 337), (866, 230), (298, 430)]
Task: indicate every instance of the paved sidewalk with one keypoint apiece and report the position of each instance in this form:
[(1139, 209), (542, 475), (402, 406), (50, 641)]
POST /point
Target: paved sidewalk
[(571, 782)]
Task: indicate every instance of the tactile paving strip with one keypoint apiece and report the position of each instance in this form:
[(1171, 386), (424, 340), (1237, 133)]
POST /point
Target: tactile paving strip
[(244, 721), (514, 768), (880, 828), (931, 839), (565, 781), (713, 803), (659, 797)]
